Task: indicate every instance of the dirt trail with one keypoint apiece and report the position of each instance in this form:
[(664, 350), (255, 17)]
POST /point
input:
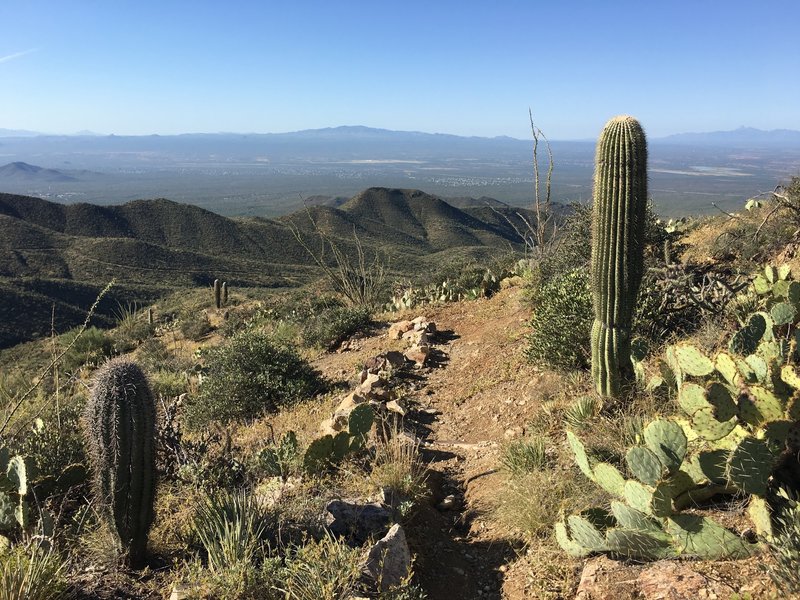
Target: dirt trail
[(477, 388), (481, 390)]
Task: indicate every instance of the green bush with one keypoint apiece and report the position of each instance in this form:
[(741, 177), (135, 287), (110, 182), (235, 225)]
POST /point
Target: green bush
[(249, 376), (55, 440), (92, 347), (331, 326), (562, 319), (195, 327)]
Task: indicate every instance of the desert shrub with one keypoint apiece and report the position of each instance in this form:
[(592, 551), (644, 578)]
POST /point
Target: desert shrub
[(55, 440), (153, 354), (230, 527), (166, 383), (195, 327), (398, 467), (562, 321), (753, 236), (784, 549), (324, 570), (92, 347), (331, 326), (31, 572), (574, 247), (525, 455), (132, 327), (279, 459), (248, 376), (581, 412), (531, 502)]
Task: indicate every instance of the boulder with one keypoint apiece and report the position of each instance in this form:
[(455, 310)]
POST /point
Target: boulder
[(342, 412), (388, 562), (357, 521), (371, 382), (394, 358)]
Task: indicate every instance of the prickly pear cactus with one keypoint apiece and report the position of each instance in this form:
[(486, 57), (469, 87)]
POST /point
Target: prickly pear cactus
[(330, 449), (120, 417), (360, 420), (645, 522), (741, 420), (16, 476), (319, 453), (618, 226)]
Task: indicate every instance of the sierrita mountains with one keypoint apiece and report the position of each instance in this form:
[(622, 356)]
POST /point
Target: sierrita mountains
[(60, 255), (269, 175)]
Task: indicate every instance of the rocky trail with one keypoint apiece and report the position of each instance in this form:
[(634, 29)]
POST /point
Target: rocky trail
[(472, 394)]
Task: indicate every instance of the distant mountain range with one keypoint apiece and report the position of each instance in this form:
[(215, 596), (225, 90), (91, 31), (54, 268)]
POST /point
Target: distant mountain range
[(56, 254), (372, 134), (742, 135), (271, 174)]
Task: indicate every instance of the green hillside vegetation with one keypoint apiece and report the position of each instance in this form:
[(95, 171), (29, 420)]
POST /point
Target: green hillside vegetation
[(155, 245)]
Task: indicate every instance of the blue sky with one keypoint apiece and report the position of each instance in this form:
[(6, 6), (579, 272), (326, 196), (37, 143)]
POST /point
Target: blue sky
[(468, 68)]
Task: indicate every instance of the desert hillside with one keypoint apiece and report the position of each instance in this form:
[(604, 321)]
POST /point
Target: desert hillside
[(436, 440)]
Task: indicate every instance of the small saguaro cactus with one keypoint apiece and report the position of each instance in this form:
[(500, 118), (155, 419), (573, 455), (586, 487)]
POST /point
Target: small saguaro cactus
[(224, 293), (618, 229), (120, 420), (217, 294)]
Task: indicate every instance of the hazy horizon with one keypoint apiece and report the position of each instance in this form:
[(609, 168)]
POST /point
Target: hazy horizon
[(465, 68), (10, 132)]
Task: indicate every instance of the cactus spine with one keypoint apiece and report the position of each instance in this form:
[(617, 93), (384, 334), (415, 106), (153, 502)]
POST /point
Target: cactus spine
[(620, 202), (121, 438)]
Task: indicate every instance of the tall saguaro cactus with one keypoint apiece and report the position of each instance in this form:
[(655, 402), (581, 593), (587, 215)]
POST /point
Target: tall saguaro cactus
[(120, 419), (618, 224), (217, 294)]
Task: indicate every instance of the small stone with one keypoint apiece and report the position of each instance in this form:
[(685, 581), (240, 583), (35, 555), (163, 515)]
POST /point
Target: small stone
[(418, 354), (181, 591), (395, 407), (396, 330), (449, 503)]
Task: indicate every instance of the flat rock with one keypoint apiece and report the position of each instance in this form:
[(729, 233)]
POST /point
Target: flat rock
[(670, 580), (357, 521), (606, 579)]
